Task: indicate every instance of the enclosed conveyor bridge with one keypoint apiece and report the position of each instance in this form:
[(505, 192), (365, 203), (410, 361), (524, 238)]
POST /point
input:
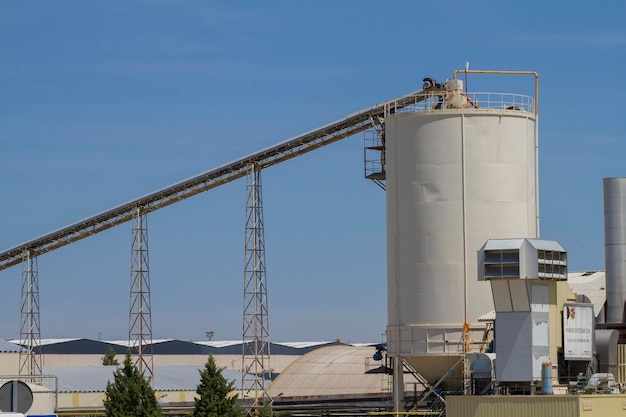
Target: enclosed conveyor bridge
[(298, 145)]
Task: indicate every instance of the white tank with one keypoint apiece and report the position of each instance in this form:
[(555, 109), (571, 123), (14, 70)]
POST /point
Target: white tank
[(456, 177)]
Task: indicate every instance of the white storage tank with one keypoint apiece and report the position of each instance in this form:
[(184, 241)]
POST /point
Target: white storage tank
[(460, 169)]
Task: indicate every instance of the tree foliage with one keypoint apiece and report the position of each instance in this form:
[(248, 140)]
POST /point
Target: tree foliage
[(130, 394), (109, 357), (265, 411), (214, 397)]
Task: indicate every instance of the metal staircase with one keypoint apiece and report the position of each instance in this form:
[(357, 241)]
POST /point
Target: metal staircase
[(374, 155)]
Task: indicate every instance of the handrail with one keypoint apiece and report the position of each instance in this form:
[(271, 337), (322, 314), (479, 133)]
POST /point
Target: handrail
[(536, 76), (483, 101), (532, 73)]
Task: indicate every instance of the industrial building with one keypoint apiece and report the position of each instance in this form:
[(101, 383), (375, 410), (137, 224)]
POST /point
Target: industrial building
[(484, 317), (302, 372), (313, 376)]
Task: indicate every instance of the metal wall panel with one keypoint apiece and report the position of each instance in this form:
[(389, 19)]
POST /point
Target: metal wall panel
[(516, 406)]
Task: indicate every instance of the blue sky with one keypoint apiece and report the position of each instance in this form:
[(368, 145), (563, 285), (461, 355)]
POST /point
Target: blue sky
[(101, 102)]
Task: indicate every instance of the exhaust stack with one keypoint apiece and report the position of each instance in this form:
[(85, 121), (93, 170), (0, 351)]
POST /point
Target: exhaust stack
[(615, 248)]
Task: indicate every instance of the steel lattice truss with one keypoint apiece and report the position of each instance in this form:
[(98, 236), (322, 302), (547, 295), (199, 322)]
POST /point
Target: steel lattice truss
[(140, 317), (256, 339), (306, 142), (30, 330)]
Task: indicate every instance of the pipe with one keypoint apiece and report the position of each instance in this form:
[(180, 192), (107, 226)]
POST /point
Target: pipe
[(615, 247), (546, 383), (536, 75)]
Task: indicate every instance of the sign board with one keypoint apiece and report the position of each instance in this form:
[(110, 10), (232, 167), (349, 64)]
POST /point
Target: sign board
[(15, 397), (578, 331)]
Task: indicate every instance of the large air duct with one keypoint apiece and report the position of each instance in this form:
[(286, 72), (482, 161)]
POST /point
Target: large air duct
[(615, 248)]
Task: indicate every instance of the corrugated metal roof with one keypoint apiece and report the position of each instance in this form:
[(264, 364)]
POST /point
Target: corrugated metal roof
[(488, 316), (56, 341), (155, 341), (8, 346), (219, 343), (293, 345), (118, 342), (80, 346), (591, 284), (530, 405), (124, 343), (303, 345), (166, 378), (518, 243)]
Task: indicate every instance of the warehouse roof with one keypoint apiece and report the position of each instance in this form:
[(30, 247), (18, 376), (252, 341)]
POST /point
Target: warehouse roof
[(590, 283), (7, 346), (166, 378), (81, 346)]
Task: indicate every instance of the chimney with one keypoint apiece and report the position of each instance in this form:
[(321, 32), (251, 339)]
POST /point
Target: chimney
[(615, 248)]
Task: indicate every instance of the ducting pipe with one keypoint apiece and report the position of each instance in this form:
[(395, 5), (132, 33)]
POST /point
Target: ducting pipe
[(615, 248)]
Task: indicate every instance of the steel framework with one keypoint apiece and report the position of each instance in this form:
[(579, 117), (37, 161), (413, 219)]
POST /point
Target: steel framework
[(140, 317), (30, 329), (256, 337), (298, 145), (140, 332)]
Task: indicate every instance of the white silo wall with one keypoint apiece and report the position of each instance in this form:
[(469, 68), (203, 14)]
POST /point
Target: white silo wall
[(615, 247), (455, 178)]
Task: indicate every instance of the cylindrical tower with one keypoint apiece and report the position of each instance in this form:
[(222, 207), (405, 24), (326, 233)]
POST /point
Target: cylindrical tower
[(461, 169), (615, 248)]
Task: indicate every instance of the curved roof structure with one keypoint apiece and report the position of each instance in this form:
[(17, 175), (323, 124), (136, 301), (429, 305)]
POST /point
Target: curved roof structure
[(333, 371)]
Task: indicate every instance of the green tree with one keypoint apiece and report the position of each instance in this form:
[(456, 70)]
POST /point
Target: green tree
[(214, 397), (109, 357), (265, 411), (130, 394)]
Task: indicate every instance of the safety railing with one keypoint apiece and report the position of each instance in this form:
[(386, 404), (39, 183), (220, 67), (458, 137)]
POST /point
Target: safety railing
[(453, 100)]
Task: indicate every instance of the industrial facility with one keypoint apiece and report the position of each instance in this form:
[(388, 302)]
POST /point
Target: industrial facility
[(484, 317)]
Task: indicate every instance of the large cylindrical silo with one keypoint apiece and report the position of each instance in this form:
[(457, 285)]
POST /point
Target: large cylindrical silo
[(460, 169), (615, 248)]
